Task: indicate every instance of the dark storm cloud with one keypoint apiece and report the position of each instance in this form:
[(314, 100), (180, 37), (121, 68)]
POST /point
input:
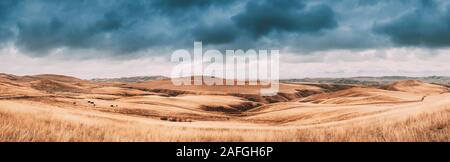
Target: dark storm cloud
[(124, 27), (6, 7), (115, 27), (262, 17), (426, 25), (367, 2), (189, 11), (219, 33), (171, 6)]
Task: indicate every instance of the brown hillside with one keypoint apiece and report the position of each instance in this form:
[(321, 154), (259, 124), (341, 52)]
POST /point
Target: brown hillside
[(359, 95), (419, 87)]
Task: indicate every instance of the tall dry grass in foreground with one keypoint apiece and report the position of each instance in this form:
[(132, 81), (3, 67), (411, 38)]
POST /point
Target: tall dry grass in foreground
[(49, 126)]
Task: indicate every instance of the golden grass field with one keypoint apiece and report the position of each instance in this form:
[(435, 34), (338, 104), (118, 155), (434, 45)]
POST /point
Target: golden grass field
[(60, 108)]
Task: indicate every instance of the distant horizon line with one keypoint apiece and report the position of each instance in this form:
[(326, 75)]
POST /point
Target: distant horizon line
[(137, 76)]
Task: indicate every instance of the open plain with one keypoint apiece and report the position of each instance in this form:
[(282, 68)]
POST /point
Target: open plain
[(63, 108)]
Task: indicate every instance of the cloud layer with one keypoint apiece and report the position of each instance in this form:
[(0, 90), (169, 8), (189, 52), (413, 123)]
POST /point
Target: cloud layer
[(425, 25), (123, 27)]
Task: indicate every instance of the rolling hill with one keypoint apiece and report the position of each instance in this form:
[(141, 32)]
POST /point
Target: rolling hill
[(63, 108)]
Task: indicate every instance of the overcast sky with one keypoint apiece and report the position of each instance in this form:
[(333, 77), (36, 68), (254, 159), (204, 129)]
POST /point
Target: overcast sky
[(317, 38)]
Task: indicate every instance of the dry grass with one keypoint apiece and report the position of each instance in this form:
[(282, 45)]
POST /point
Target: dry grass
[(57, 109), (50, 126), (426, 127)]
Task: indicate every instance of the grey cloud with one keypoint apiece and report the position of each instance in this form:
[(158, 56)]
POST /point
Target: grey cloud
[(123, 27), (168, 6), (6, 8), (219, 33), (262, 17), (426, 25), (116, 28), (185, 11)]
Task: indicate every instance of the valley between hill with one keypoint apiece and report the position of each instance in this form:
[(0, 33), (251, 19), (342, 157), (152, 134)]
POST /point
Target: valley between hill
[(63, 108)]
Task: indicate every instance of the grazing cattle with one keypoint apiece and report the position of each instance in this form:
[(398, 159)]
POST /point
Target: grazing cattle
[(92, 103), (423, 98)]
